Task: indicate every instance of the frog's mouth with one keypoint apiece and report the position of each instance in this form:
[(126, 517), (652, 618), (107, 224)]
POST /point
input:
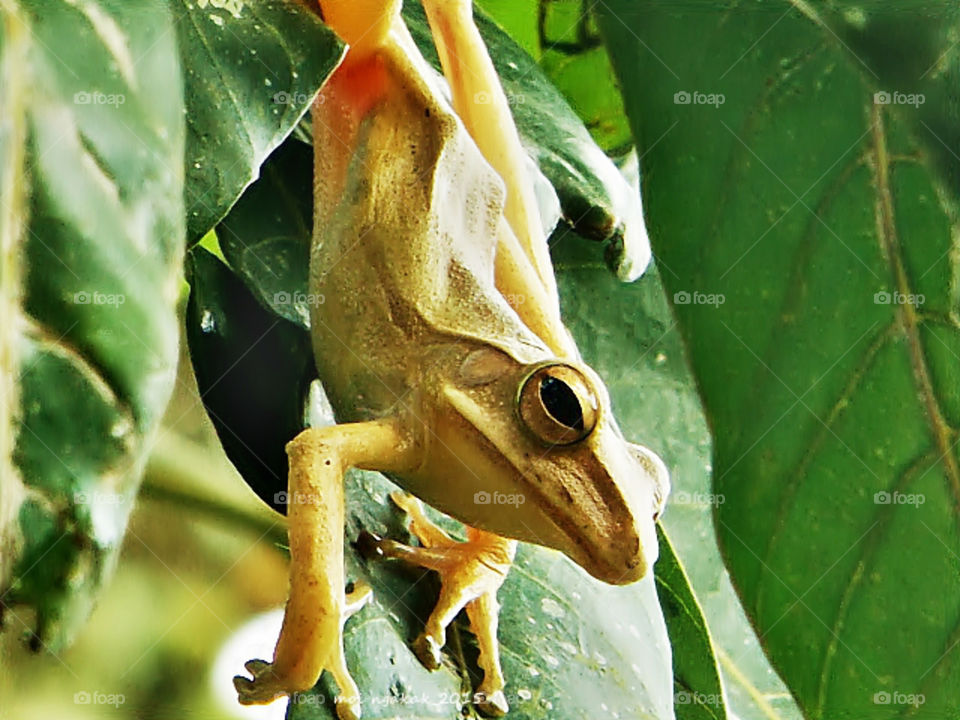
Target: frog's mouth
[(606, 514), (616, 561), (594, 523), (599, 566)]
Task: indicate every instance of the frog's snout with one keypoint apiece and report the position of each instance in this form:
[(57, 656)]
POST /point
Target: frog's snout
[(628, 554)]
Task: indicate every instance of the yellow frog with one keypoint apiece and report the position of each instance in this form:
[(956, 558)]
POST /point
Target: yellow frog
[(441, 347)]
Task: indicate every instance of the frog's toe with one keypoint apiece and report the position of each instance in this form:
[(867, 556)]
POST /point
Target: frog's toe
[(491, 704), (428, 651), (264, 687)]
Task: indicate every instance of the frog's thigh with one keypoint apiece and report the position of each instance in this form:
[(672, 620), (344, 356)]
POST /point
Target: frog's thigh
[(311, 637), (479, 100), (520, 287)]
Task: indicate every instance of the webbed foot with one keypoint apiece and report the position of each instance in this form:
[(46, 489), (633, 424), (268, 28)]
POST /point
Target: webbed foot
[(470, 572)]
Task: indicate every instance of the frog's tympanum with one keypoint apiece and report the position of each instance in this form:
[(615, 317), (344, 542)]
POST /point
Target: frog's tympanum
[(441, 348)]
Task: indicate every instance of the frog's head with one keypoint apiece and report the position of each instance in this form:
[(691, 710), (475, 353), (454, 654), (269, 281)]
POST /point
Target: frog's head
[(545, 437)]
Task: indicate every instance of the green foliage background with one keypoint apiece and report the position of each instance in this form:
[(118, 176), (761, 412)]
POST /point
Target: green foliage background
[(799, 167)]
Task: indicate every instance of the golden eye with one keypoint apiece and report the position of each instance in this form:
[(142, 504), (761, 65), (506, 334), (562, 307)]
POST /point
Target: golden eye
[(558, 404)]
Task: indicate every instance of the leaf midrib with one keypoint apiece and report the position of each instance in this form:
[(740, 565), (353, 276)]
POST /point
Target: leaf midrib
[(908, 314)]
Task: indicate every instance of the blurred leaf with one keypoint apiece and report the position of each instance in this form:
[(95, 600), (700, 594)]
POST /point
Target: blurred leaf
[(92, 234), (251, 70), (833, 400)]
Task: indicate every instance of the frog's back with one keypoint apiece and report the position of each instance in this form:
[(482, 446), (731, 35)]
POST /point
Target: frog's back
[(404, 240)]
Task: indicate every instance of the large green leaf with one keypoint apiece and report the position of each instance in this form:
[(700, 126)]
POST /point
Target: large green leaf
[(91, 221), (794, 218), (251, 69)]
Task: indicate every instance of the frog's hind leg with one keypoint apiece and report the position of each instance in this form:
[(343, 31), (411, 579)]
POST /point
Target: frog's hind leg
[(484, 615), (311, 639), (470, 574), (481, 103), (524, 273)]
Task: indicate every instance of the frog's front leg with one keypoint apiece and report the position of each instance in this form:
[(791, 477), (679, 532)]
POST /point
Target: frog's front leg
[(471, 572), (311, 639)]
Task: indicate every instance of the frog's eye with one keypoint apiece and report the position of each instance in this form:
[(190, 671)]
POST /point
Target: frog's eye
[(558, 405)]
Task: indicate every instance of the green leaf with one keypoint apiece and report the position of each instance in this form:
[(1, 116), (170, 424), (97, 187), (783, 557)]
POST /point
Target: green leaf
[(697, 691), (253, 372), (911, 60), (785, 218), (251, 69), (91, 223), (266, 237)]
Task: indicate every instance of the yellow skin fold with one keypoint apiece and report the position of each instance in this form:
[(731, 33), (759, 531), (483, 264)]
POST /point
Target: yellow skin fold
[(441, 308)]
